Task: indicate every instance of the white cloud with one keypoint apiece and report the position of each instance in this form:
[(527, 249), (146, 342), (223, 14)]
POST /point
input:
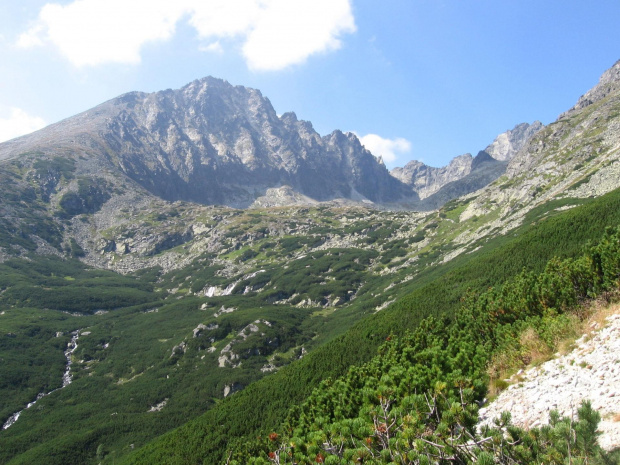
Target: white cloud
[(224, 18), (19, 123), (389, 149), (287, 32), (92, 32), (274, 33), (214, 47)]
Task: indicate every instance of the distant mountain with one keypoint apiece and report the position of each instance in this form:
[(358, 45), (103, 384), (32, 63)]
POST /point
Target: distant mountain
[(464, 174), (426, 180), (217, 144), (484, 169)]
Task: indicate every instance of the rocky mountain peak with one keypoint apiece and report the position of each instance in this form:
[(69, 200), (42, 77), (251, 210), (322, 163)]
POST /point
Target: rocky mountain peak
[(410, 166), (612, 74), (207, 81), (609, 82), (480, 159), (508, 143), (289, 118), (214, 143), (461, 161)]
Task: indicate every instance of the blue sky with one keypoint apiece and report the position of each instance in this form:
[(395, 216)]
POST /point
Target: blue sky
[(416, 79)]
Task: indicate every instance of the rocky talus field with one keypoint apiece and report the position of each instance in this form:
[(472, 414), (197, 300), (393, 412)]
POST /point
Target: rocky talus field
[(590, 371)]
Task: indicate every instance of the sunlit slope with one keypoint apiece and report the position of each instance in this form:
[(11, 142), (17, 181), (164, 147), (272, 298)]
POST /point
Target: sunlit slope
[(262, 405)]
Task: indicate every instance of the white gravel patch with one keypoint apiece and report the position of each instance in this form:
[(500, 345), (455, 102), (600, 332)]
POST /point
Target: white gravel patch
[(591, 371)]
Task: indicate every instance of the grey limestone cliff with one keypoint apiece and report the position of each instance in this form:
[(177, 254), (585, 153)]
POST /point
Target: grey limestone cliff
[(214, 143), (508, 143)]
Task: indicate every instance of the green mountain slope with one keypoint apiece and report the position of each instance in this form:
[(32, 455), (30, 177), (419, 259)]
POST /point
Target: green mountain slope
[(415, 402), (262, 406), (180, 309)]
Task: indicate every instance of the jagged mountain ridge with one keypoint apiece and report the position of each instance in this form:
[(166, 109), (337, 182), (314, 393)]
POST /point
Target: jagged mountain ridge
[(217, 144), (91, 176), (439, 185), (213, 143)]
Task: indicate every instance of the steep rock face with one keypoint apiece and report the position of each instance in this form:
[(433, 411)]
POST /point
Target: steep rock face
[(608, 83), (508, 143), (214, 143)]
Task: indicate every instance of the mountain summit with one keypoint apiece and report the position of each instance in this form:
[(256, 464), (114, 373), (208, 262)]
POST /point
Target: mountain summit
[(214, 143)]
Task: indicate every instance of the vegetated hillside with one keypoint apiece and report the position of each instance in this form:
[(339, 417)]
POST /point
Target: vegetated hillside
[(415, 402), (142, 370), (258, 409), (183, 339), (213, 299)]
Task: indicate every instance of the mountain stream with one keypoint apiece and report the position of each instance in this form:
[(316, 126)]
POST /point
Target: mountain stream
[(66, 379)]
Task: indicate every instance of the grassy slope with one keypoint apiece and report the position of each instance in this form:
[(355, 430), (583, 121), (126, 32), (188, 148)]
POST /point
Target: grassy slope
[(264, 404), (37, 298)]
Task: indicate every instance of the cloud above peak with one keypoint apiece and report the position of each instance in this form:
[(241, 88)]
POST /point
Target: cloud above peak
[(273, 34), (388, 149), (287, 32)]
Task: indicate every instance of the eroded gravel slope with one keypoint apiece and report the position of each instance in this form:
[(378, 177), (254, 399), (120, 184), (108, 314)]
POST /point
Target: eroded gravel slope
[(590, 371)]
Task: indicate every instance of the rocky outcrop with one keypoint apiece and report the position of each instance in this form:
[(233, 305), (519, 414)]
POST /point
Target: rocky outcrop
[(232, 388), (229, 357), (508, 143)]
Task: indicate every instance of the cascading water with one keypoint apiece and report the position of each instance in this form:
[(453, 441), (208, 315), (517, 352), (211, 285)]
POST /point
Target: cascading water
[(66, 379)]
